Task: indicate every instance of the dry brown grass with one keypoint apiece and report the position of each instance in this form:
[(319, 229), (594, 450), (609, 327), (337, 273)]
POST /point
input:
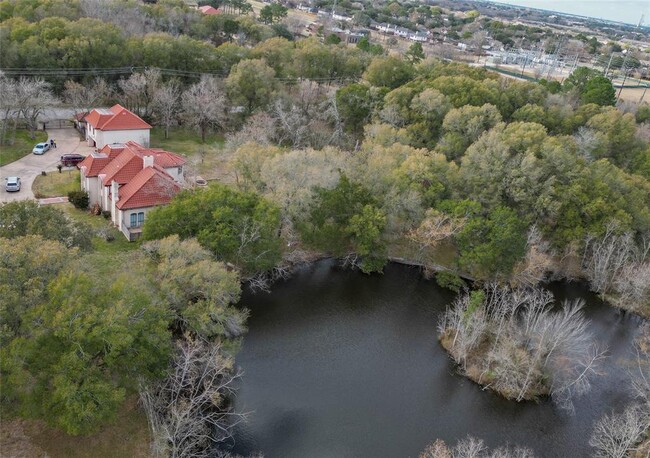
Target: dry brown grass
[(128, 436)]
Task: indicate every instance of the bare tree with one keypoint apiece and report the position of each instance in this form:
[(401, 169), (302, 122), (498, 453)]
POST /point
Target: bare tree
[(438, 449), (260, 128), (616, 435), (605, 257), (435, 228), (293, 125), (471, 447), (188, 412), (527, 349), (33, 95), (588, 142), (10, 111), (139, 91), (204, 105), (83, 98), (165, 104)]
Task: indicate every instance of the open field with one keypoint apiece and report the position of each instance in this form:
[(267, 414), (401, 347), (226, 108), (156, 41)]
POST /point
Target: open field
[(22, 146)]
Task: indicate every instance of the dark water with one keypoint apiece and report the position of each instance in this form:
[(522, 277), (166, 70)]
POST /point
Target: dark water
[(340, 364)]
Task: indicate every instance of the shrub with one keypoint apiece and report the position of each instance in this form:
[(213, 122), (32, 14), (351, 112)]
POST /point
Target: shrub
[(449, 280), (79, 199)]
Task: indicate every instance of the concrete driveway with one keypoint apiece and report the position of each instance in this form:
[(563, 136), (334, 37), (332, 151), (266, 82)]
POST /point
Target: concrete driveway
[(30, 166)]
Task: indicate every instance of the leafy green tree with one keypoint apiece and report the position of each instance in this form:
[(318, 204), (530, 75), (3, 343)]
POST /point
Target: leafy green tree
[(366, 229), (579, 78), (356, 103), (238, 227), (463, 90), (490, 246), (415, 53), (591, 86), (332, 39), (347, 218), (372, 48), (27, 265), (198, 290), (599, 90), (278, 53), (28, 218), (81, 351), (463, 126), (388, 72), (273, 12), (252, 83), (617, 133)]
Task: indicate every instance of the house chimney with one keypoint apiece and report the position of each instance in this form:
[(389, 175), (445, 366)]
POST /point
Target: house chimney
[(147, 161), (115, 194)]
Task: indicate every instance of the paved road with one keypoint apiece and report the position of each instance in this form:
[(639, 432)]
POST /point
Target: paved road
[(30, 166)]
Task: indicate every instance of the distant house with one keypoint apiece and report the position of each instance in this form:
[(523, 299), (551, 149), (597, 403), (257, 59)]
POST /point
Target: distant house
[(420, 37), (209, 10), (105, 126), (129, 180)]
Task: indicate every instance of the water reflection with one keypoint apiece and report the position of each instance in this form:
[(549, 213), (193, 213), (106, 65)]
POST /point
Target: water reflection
[(337, 363)]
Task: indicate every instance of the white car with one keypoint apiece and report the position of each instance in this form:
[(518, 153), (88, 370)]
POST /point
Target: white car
[(41, 148), (12, 184)]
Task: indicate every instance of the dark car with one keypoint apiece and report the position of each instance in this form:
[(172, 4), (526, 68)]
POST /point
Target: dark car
[(72, 159)]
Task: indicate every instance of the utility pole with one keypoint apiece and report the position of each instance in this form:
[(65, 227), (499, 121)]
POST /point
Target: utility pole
[(624, 68), (645, 88), (608, 64)]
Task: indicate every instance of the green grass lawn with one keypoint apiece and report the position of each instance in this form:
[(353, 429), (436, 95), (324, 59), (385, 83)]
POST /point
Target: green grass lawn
[(56, 184), (186, 142), (208, 159), (99, 224), (21, 147)]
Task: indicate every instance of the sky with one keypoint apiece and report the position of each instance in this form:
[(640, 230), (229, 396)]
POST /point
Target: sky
[(628, 11)]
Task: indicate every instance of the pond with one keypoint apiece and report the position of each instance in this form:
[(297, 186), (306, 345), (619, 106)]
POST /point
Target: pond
[(341, 364)]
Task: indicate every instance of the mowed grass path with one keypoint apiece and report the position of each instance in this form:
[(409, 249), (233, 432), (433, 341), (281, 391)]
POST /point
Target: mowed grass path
[(21, 147)]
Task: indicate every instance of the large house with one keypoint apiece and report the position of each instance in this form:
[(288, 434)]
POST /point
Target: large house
[(129, 180), (105, 126)]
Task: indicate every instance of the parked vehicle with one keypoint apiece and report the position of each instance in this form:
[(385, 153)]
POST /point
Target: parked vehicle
[(12, 184), (41, 148), (72, 159)]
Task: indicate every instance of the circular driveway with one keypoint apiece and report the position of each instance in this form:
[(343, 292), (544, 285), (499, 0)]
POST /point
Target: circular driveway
[(30, 166)]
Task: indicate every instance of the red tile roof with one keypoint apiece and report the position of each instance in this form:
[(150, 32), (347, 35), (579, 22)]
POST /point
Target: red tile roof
[(207, 9), (95, 162), (130, 160), (115, 118), (150, 187), (123, 168)]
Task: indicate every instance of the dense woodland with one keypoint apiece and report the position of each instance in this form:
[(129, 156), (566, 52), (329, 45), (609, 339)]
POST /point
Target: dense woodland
[(337, 150)]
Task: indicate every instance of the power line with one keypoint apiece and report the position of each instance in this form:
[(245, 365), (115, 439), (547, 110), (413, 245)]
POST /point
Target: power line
[(61, 72)]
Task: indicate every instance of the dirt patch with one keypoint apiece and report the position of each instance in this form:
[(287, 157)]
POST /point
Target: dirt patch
[(128, 436), (15, 443)]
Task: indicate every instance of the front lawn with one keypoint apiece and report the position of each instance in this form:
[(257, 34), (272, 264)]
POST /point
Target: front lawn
[(21, 147), (56, 184)]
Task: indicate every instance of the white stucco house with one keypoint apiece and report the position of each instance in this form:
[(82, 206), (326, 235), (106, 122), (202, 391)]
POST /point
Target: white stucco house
[(129, 180), (105, 126)]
